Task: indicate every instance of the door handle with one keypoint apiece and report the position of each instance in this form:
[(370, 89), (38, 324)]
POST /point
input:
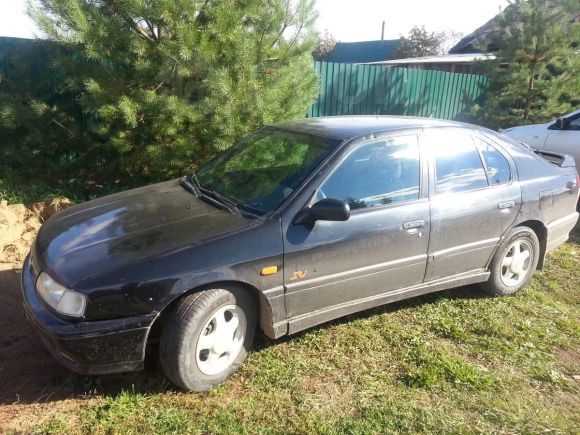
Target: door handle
[(414, 224), (506, 205)]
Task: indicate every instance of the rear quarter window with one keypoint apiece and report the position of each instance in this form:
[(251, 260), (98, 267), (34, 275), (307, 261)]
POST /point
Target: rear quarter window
[(496, 165)]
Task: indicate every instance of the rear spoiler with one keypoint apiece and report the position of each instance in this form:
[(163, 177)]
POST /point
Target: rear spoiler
[(561, 160)]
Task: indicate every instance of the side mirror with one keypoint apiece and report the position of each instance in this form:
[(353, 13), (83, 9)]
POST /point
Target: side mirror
[(559, 124), (327, 209)]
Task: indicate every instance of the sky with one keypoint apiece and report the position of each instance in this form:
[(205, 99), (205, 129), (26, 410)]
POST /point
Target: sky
[(361, 20), (347, 20)]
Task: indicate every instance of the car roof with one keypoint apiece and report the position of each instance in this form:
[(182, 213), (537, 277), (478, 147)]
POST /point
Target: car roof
[(349, 127)]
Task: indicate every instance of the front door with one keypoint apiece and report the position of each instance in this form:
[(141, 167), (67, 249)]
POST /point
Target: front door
[(474, 200), (382, 247), (566, 140)]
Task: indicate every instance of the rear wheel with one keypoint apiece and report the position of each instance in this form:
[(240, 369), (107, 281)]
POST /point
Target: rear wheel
[(514, 263), (207, 337)]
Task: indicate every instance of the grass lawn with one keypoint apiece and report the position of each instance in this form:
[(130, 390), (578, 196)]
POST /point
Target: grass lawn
[(455, 361)]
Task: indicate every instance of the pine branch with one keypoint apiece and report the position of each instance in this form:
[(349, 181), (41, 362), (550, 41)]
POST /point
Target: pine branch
[(60, 125), (285, 24), (201, 12), (152, 30), (138, 29), (294, 39), (132, 24)]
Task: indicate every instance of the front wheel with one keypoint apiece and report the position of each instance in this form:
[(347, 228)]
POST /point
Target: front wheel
[(514, 262), (207, 337)]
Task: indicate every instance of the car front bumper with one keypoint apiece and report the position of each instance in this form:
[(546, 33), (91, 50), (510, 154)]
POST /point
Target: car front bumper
[(97, 347)]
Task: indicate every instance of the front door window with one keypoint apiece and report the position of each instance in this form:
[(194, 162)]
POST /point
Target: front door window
[(376, 174)]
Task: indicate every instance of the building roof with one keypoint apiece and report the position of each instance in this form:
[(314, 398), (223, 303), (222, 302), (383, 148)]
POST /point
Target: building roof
[(472, 43), (361, 52), (349, 127), (465, 58)]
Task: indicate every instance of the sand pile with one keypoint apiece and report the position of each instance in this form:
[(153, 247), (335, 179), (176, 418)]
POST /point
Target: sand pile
[(18, 227)]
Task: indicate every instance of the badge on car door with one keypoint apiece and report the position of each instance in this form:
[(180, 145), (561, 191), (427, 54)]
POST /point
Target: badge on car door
[(298, 275)]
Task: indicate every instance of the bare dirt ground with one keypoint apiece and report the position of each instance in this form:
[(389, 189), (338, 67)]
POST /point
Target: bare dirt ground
[(18, 227), (27, 373), (29, 376)]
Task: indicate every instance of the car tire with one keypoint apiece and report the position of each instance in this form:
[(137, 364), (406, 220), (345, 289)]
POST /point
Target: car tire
[(207, 337), (514, 263)]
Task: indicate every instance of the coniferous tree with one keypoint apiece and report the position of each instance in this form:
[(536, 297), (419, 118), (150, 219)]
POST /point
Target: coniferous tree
[(536, 74), (165, 84)]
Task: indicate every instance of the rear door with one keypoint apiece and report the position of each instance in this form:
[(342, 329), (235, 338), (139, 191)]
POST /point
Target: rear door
[(382, 247), (474, 200)]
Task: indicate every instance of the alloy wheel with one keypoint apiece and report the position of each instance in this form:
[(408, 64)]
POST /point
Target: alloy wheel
[(516, 263)]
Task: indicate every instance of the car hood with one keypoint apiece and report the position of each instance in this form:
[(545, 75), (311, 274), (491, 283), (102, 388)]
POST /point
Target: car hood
[(526, 128), (122, 229)]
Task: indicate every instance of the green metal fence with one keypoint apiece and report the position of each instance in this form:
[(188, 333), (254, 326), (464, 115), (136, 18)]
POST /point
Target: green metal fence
[(347, 89)]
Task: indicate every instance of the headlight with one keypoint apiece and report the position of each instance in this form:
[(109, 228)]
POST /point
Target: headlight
[(61, 299)]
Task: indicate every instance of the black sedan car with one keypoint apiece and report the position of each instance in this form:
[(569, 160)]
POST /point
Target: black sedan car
[(297, 224)]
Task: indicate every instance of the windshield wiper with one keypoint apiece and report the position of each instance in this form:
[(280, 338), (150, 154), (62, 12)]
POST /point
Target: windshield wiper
[(230, 205), (195, 179), (190, 187)]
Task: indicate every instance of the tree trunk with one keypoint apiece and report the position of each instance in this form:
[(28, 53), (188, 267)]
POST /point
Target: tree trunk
[(528, 104), (532, 79)]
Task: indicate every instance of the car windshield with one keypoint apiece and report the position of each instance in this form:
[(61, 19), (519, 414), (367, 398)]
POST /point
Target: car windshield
[(262, 170)]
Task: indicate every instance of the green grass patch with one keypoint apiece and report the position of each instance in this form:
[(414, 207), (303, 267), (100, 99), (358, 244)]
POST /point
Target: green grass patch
[(16, 190), (28, 192)]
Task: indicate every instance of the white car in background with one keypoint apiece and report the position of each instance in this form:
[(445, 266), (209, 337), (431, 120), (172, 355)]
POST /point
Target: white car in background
[(560, 136)]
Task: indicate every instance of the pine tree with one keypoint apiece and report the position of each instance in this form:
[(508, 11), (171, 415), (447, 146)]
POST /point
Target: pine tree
[(536, 75), (165, 84)]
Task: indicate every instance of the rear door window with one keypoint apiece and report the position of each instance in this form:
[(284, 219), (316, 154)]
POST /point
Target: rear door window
[(458, 165)]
